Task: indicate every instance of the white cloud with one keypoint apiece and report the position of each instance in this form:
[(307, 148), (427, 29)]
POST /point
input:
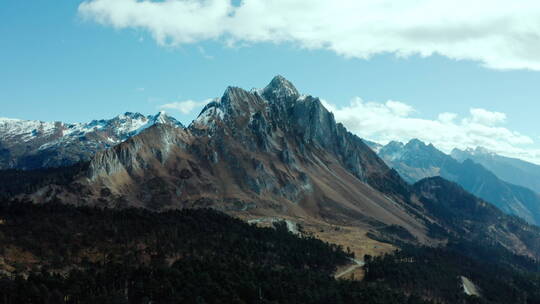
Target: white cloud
[(399, 108), (185, 107), (447, 117), (501, 34), (381, 122), (485, 117)]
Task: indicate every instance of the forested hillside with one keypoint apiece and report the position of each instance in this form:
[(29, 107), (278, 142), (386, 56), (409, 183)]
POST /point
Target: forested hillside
[(62, 254), (15, 181), (435, 273)]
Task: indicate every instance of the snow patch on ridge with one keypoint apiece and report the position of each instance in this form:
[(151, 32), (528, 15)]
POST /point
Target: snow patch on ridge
[(25, 129), (113, 131), (211, 112)]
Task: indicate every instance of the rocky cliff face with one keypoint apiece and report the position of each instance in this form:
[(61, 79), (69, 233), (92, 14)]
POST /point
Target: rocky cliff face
[(26, 144)]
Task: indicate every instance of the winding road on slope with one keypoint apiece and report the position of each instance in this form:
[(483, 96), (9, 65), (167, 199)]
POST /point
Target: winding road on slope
[(357, 264)]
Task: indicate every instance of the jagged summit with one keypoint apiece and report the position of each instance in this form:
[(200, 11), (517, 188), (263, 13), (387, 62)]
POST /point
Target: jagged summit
[(413, 149), (280, 89), (162, 118), (395, 143), (130, 115), (238, 103), (413, 143), (418, 144)]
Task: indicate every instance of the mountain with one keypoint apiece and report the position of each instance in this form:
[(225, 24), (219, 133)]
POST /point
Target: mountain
[(512, 170), (376, 147), (256, 154), (29, 144), (466, 214), (416, 160), (274, 154)]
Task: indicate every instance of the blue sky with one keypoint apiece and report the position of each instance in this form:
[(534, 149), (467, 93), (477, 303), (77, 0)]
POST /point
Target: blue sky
[(57, 63)]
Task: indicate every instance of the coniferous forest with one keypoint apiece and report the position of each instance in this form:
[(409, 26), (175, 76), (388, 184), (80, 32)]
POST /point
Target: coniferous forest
[(67, 254), (89, 255)]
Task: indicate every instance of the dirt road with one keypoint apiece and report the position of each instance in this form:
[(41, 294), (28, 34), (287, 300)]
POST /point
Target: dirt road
[(357, 264)]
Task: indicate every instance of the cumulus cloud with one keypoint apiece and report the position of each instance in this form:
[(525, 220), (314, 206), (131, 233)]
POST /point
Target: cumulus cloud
[(500, 34), (186, 106), (485, 117), (381, 122), (447, 117)]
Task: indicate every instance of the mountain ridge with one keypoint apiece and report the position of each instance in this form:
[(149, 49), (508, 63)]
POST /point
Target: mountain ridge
[(512, 170), (27, 144), (416, 160)]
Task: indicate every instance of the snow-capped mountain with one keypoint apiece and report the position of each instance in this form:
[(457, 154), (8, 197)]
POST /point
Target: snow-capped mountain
[(30, 144), (512, 170), (417, 160)]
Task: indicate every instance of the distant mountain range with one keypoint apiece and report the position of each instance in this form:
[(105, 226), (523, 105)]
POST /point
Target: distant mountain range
[(512, 170), (416, 160)]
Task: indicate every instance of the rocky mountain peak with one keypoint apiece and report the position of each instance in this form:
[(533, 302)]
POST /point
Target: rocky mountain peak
[(162, 118), (235, 97), (280, 89), (394, 145), (209, 114), (237, 106), (416, 147), (392, 151), (376, 147), (278, 118), (415, 143), (130, 115), (395, 150)]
